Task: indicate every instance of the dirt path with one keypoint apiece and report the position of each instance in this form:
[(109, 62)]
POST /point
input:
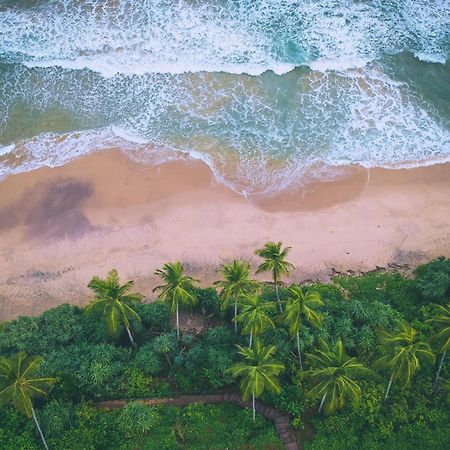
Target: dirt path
[(281, 420)]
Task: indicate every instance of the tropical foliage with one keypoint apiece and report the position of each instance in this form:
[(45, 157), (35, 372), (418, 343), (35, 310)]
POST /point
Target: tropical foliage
[(300, 308), (274, 261), (441, 323), (236, 284), (356, 332), (333, 375), (258, 371), (178, 289), (115, 302), (18, 386), (255, 316), (403, 354)]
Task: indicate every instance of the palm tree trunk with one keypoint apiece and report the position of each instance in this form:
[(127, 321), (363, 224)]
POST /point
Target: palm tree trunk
[(251, 339), (298, 351), (322, 402), (438, 374), (389, 386), (235, 314), (178, 323), (254, 406), (39, 429), (278, 297), (131, 337)]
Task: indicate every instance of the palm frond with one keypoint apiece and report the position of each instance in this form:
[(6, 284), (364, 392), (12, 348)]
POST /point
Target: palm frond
[(17, 385), (333, 373), (258, 371), (114, 301)]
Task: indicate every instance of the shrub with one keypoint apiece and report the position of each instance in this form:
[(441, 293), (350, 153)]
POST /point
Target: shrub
[(384, 287), (16, 431), (135, 383), (155, 316), (137, 418), (433, 280), (165, 344), (147, 359), (55, 328), (59, 326), (206, 362), (208, 302), (93, 367), (19, 335), (56, 417)]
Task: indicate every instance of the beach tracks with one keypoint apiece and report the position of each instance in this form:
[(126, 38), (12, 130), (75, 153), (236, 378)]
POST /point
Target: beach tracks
[(281, 420)]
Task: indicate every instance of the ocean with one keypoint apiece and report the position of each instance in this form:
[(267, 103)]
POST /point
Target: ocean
[(269, 93)]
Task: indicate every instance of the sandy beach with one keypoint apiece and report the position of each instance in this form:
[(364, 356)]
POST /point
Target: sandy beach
[(60, 226)]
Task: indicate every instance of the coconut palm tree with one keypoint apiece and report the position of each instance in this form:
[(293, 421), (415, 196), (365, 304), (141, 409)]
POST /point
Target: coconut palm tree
[(19, 387), (441, 323), (255, 315), (115, 301), (333, 376), (236, 283), (275, 262), (403, 352), (258, 371), (177, 289), (300, 308)]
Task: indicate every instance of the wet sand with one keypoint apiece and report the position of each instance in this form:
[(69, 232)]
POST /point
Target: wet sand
[(61, 226)]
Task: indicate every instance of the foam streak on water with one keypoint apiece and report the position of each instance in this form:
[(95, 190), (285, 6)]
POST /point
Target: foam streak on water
[(261, 90)]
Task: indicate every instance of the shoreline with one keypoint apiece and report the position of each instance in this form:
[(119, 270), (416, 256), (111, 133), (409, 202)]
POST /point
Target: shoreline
[(61, 226)]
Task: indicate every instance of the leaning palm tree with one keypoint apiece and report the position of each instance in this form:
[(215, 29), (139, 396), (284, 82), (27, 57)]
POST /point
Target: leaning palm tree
[(177, 288), (18, 386), (403, 352), (300, 308), (237, 283), (441, 323), (258, 371), (255, 315), (274, 262), (333, 376), (115, 301)]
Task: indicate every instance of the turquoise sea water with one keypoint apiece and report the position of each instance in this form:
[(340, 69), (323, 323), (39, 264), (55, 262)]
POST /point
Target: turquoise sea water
[(269, 93)]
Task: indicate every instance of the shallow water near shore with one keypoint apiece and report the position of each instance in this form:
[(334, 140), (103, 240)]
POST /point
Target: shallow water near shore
[(270, 94)]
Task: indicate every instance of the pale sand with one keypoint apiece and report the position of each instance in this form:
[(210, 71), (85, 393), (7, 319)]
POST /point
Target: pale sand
[(61, 226)]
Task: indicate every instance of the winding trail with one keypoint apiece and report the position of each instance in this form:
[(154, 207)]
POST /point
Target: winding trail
[(281, 420)]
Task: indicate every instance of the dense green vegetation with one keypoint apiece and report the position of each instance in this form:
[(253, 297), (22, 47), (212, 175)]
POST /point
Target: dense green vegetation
[(358, 363), (81, 427)]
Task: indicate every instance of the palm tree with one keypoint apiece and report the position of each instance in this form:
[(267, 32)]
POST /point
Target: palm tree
[(255, 315), (177, 288), (301, 307), (258, 372), (115, 301), (274, 262), (17, 385), (333, 372), (403, 352), (442, 323), (236, 283)]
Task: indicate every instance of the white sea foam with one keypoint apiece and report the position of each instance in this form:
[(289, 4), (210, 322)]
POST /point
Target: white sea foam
[(53, 149), (159, 79), (341, 64), (57, 149), (436, 59), (6, 149), (109, 66), (128, 135), (246, 36), (254, 142)]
